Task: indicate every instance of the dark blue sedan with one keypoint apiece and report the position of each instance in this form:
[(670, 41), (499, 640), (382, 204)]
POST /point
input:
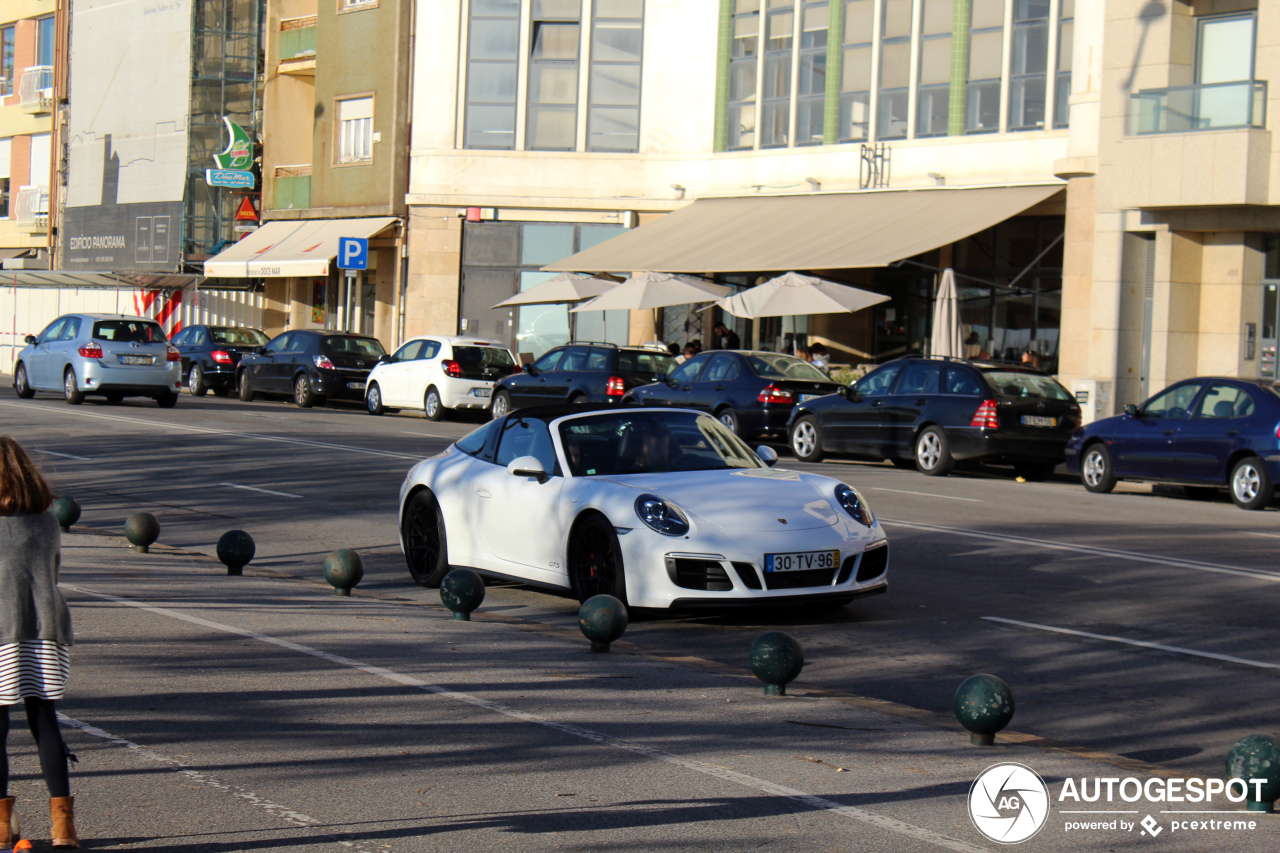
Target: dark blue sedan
[(1205, 434)]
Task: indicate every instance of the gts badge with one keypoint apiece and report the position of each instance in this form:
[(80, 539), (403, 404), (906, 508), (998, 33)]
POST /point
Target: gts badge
[(554, 565)]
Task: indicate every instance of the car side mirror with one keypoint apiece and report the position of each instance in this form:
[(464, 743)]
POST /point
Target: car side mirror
[(386, 359), (31, 339), (767, 455), (528, 466), (1131, 410), (661, 377), (531, 370)]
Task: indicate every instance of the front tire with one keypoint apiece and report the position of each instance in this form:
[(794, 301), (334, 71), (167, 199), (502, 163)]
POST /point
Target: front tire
[(71, 389), (729, 418), (806, 441), (1251, 486), (21, 384), (595, 560), (501, 405), (432, 406), (303, 396), (195, 382), (373, 400), (426, 548), (933, 453), (246, 387), (1096, 471)]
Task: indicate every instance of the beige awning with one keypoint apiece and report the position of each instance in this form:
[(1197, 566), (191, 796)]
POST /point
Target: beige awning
[(807, 232), (96, 280), (297, 247)]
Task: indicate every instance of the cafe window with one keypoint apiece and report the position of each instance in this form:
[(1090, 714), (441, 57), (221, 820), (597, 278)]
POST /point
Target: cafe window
[(617, 39), (895, 69), (855, 71), (933, 91), (811, 87), (986, 51), (775, 100), (744, 53)]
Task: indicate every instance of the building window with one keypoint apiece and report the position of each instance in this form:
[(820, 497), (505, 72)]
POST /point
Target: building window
[(811, 91), (1224, 55), (45, 33), (743, 56), (4, 198), (553, 75), (1030, 64), (493, 60), (355, 130), (933, 89), (1066, 42), (346, 5), (617, 41), (775, 99), (986, 51), (6, 61), (855, 70), (895, 69)]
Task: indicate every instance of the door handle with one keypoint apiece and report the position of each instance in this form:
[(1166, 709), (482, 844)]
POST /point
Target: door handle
[(719, 387), (1233, 432), (1168, 432), (878, 403), (482, 493), (687, 388), (922, 401)]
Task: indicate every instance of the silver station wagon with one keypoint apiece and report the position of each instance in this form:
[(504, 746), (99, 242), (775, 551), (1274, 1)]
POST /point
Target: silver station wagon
[(109, 355)]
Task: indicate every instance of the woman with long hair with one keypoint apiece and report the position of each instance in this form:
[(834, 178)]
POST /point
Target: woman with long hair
[(35, 635)]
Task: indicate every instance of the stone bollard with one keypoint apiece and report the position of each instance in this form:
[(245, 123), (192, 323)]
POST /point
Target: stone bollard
[(67, 510), (343, 569), (236, 549), (1257, 757), (776, 659), (602, 619), (462, 591), (142, 530), (983, 705)]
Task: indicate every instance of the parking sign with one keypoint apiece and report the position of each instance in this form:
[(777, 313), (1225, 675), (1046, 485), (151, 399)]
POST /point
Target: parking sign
[(353, 253)]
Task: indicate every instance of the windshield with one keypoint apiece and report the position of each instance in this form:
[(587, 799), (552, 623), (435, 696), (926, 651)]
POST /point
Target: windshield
[(651, 443), (129, 331), (336, 344), (237, 337), (785, 367), (1011, 383), (483, 356)]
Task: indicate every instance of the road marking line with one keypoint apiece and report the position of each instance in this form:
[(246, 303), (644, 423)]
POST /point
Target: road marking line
[(285, 813), (923, 494), (63, 455), (256, 489), (1268, 535), (1092, 550), (280, 439), (1098, 811), (1142, 643), (813, 801)]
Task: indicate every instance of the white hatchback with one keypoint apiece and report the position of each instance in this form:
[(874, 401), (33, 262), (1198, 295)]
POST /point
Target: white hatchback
[(435, 373)]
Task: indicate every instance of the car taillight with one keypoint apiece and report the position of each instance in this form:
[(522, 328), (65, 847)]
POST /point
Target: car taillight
[(171, 354), (221, 356), (615, 388), (515, 368), (985, 417), (91, 351), (773, 394), (451, 368), (323, 361)]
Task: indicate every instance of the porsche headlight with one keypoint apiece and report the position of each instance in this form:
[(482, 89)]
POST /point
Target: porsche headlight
[(855, 505), (661, 515)]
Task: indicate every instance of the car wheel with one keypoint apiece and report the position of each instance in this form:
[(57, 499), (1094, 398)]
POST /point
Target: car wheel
[(1096, 471), (246, 387), (22, 385), (1036, 472), (431, 405), (1201, 493), (729, 418), (70, 389), (195, 382), (595, 560), (425, 545), (933, 453), (904, 464), (1251, 486), (806, 443), (302, 393), (115, 399), (167, 401), (373, 400), (501, 405)]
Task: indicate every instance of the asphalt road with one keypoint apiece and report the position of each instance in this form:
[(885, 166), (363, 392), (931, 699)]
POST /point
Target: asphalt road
[(1144, 623)]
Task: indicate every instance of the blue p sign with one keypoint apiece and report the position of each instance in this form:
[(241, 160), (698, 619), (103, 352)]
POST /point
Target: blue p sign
[(353, 253)]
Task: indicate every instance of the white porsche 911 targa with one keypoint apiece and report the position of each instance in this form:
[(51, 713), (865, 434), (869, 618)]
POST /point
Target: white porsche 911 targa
[(658, 507)]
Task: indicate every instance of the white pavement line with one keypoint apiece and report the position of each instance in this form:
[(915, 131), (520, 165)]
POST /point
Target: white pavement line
[(1092, 550), (1255, 533), (813, 801), (285, 813), (232, 433), (63, 455), (256, 489), (1257, 664), (923, 494)]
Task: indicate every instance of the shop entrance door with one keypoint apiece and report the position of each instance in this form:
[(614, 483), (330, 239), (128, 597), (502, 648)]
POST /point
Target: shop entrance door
[(1270, 322)]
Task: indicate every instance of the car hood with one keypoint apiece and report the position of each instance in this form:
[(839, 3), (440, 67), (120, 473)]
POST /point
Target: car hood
[(751, 500)]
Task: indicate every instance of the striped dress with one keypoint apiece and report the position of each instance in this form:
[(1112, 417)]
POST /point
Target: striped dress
[(33, 668)]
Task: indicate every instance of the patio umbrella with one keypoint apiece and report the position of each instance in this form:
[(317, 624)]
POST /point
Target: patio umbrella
[(654, 290), (946, 319), (794, 293), (562, 288)]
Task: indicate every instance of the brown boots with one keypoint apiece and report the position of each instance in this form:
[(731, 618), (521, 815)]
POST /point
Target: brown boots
[(9, 833), (62, 815)]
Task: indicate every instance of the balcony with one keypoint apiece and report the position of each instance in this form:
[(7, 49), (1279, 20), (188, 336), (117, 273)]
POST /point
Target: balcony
[(35, 90), (31, 209), (298, 46), (1190, 109), (291, 188)]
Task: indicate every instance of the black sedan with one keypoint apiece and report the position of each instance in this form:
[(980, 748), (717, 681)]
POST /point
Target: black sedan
[(310, 365), (752, 393), (211, 354)]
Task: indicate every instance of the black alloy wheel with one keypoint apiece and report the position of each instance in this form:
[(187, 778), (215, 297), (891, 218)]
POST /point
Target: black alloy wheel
[(595, 561), (426, 549)]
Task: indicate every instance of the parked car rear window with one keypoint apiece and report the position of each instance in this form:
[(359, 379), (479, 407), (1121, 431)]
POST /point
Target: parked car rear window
[(651, 363), (785, 367), (237, 337), (959, 381), (129, 331), (1012, 383), (348, 343), (483, 356)]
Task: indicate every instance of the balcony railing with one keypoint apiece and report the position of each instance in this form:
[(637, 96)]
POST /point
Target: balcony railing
[(35, 89), (31, 208), (1209, 106)]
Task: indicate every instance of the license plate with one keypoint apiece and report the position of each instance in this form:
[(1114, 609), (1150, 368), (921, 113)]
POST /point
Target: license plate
[(482, 392), (135, 359), (804, 398), (1039, 421), (800, 561), (355, 385)]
